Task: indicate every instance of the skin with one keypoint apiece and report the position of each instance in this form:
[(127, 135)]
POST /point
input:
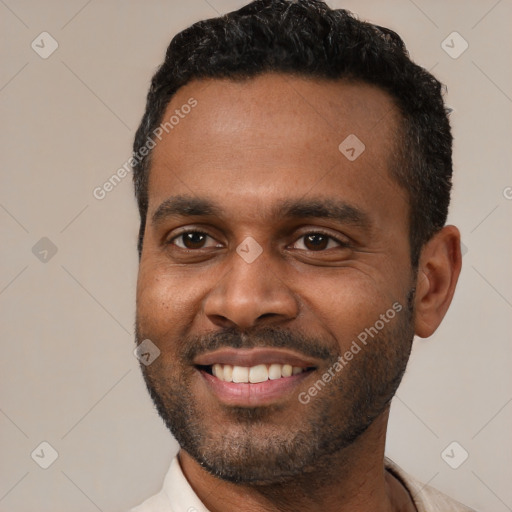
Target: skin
[(248, 146)]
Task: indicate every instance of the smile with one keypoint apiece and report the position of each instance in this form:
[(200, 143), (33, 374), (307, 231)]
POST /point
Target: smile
[(254, 374), (251, 377)]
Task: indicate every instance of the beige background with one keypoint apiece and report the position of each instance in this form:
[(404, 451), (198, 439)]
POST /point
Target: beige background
[(68, 374)]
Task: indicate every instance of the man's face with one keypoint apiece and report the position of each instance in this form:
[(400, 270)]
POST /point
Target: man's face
[(300, 253)]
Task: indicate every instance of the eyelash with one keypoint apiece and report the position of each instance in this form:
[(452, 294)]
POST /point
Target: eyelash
[(188, 231), (342, 243)]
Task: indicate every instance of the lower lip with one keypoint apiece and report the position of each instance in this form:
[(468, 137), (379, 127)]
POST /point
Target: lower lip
[(261, 393)]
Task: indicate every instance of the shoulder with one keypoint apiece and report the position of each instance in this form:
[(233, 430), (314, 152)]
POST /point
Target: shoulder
[(176, 494), (157, 503), (426, 498)]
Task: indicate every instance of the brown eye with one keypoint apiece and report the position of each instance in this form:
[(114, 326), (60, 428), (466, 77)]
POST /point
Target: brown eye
[(191, 240), (316, 241)]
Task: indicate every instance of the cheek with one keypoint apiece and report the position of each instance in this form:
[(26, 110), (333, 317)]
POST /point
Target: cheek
[(164, 302), (347, 303)]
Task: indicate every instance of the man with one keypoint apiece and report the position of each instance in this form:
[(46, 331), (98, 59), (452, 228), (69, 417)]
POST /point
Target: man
[(293, 174)]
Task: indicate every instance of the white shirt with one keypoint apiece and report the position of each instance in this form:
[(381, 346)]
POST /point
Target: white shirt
[(177, 494)]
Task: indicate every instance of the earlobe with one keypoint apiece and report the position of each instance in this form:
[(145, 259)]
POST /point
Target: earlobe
[(438, 271)]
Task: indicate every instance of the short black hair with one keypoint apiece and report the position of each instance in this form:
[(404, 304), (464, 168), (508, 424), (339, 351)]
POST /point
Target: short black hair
[(307, 38)]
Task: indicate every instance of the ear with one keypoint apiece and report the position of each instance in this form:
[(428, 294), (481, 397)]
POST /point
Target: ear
[(438, 271)]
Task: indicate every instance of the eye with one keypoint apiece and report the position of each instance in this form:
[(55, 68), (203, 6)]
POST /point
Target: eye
[(318, 241), (191, 240)]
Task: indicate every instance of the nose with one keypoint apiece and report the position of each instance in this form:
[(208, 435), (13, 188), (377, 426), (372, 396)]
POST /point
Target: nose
[(250, 295)]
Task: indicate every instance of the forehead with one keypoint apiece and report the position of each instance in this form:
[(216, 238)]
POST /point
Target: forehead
[(275, 135), (282, 105)]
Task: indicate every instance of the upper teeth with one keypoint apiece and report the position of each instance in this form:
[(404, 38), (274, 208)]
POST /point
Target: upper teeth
[(253, 374)]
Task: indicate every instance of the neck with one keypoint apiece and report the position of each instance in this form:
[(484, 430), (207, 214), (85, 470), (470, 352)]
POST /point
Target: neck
[(352, 480)]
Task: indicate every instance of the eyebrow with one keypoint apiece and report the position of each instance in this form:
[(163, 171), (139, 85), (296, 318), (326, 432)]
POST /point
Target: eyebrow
[(324, 208), (185, 206)]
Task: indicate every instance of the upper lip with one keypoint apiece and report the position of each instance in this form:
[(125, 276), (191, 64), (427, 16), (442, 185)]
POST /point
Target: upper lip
[(253, 357)]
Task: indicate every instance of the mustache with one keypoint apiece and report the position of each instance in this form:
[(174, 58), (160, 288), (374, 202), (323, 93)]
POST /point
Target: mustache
[(268, 337)]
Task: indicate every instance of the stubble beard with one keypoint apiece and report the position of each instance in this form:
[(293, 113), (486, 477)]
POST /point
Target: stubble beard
[(249, 446)]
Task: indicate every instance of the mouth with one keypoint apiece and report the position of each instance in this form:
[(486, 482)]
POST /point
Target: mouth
[(252, 374), (241, 377)]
